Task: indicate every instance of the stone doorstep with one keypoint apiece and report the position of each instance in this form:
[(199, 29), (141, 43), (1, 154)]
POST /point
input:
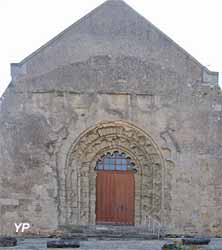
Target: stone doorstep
[(107, 235), (107, 232), (107, 228)]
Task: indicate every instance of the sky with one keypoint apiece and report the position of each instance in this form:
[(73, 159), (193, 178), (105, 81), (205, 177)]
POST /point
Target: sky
[(26, 25)]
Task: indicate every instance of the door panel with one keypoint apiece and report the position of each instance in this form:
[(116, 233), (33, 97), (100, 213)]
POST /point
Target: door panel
[(115, 197)]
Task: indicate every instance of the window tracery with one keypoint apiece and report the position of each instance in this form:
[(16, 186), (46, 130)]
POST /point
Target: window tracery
[(118, 161)]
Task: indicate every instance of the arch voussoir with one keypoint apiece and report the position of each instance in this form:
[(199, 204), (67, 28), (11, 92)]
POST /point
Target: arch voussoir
[(81, 176)]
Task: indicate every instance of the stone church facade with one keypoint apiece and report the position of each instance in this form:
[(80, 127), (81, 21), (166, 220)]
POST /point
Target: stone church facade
[(111, 84)]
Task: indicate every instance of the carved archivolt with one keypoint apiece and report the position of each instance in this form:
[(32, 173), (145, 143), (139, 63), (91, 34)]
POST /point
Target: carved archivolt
[(80, 174)]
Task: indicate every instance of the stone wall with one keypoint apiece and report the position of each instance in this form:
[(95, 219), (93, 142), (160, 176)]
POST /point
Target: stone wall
[(38, 129), (112, 75)]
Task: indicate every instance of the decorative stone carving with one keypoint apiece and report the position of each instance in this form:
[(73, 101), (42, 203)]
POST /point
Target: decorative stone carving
[(80, 171), (169, 151)]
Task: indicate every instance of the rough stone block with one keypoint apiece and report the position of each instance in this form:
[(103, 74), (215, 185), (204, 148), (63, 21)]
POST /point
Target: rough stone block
[(8, 241), (196, 241), (69, 243)]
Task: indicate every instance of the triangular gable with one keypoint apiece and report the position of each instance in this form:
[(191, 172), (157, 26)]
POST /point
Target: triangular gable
[(113, 28)]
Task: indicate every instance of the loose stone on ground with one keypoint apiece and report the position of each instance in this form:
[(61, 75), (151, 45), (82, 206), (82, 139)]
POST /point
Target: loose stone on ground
[(61, 243), (7, 241)]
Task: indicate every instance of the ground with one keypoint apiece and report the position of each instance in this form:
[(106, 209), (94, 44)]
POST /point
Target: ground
[(40, 244)]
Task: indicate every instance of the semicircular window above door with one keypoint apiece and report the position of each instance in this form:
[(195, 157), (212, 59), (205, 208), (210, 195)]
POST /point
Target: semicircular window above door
[(119, 161)]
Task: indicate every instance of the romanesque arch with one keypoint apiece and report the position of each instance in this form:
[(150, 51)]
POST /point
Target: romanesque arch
[(80, 174)]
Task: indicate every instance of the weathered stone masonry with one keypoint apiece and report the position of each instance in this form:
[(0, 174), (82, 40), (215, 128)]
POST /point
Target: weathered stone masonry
[(81, 168), (112, 81)]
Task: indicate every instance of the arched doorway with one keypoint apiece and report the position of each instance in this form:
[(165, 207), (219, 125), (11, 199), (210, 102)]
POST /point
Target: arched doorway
[(78, 194), (115, 189)]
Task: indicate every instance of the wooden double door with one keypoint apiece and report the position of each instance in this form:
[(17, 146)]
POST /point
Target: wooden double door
[(115, 197)]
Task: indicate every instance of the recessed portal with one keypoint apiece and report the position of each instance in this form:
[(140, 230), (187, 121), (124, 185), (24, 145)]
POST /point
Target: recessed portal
[(114, 175)]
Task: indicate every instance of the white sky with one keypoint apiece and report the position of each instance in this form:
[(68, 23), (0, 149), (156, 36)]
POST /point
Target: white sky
[(25, 25)]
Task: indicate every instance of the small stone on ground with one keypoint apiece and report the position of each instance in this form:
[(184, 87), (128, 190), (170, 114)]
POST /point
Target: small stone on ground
[(63, 243), (7, 241), (196, 241)]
